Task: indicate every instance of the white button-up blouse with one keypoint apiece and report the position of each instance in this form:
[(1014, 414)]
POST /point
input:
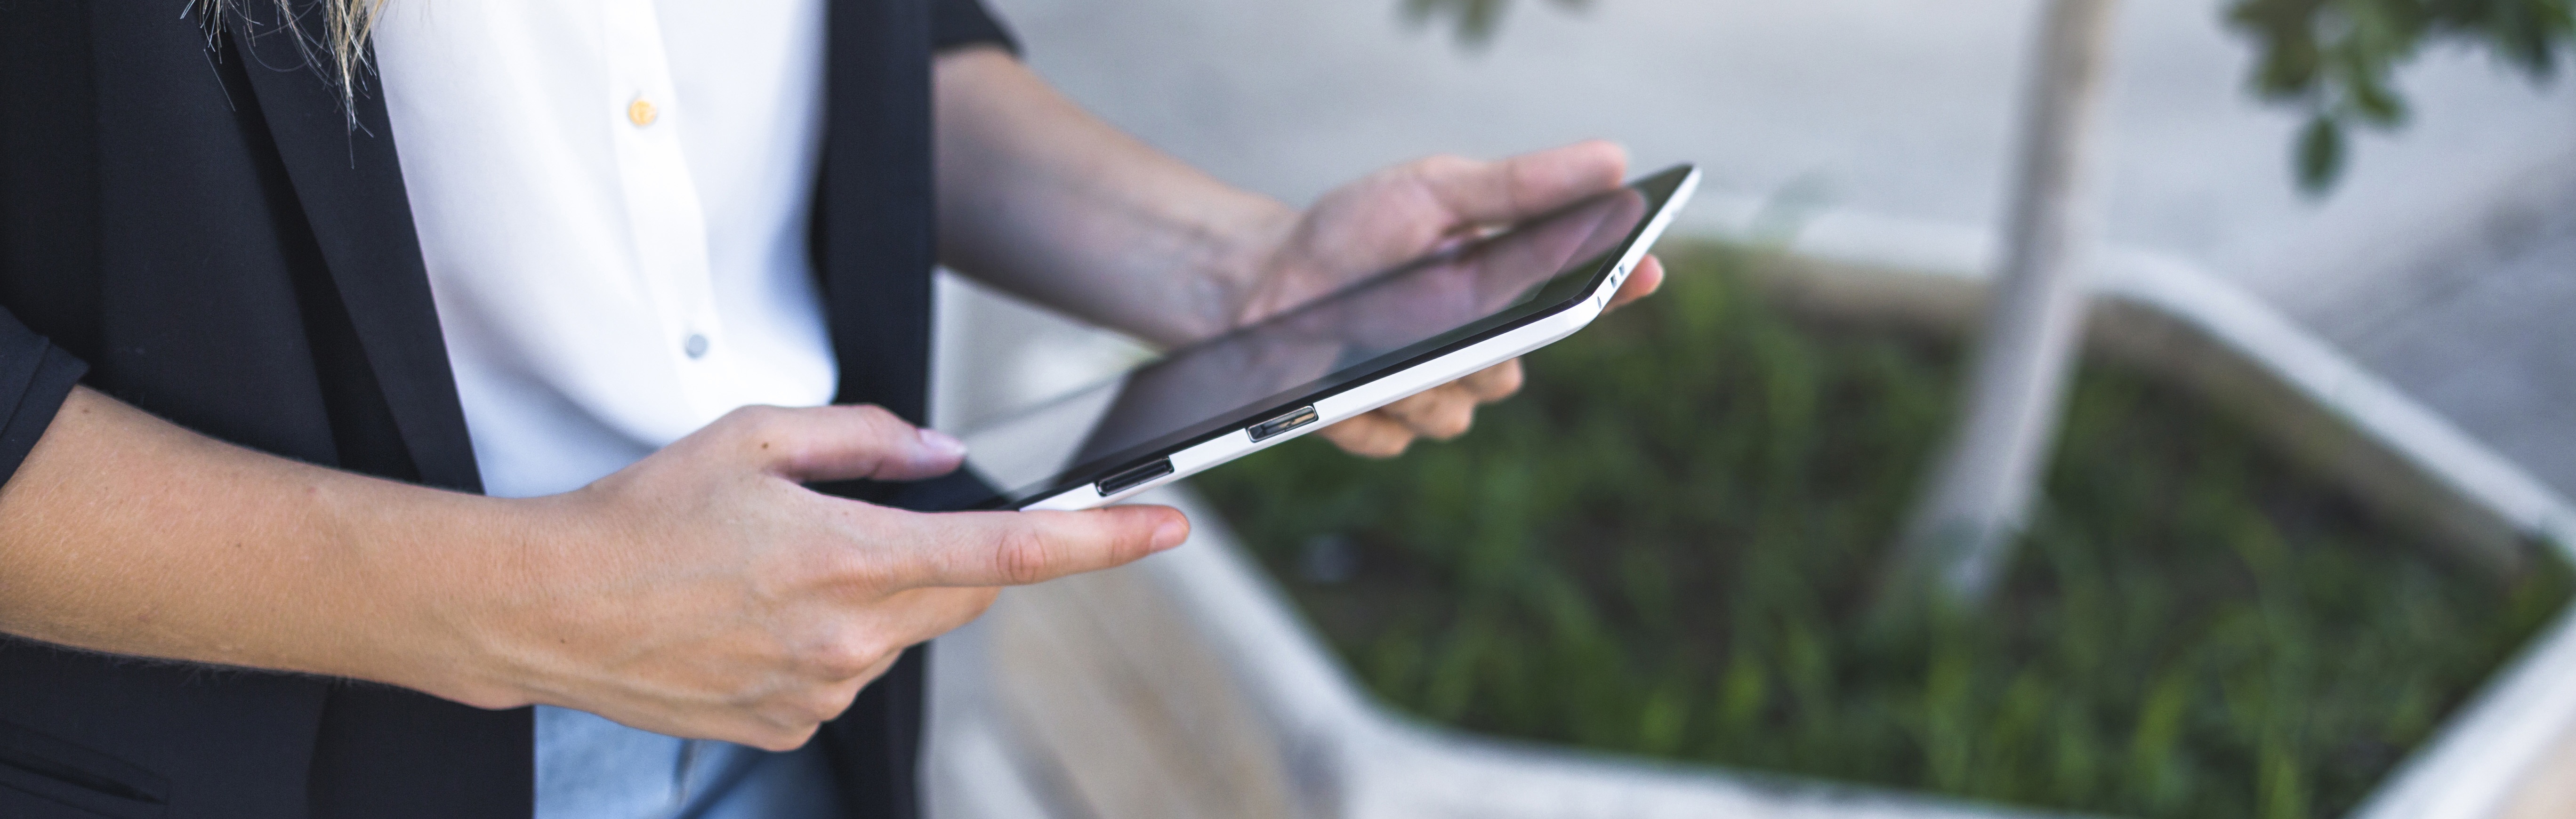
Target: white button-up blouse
[(612, 198)]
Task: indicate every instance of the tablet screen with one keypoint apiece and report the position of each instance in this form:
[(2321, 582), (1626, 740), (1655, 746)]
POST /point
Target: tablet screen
[(1380, 324)]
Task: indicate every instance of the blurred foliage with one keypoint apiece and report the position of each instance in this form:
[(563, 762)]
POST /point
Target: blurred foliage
[(1665, 545), (1471, 23), (2336, 58)]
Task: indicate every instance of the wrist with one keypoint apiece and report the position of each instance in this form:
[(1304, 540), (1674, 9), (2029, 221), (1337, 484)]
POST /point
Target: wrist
[(436, 574), (1239, 247)]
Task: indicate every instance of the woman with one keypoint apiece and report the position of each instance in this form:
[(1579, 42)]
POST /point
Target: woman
[(419, 418)]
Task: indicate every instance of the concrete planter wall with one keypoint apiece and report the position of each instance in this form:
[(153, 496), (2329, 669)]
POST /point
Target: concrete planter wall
[(1186, 685)]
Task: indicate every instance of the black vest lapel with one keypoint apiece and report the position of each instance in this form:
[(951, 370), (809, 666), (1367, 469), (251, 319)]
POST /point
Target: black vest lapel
[(381, 752), (349, 182), (873, 252)]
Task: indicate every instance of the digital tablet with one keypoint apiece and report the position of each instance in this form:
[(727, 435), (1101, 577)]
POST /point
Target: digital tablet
[(1369, 344)]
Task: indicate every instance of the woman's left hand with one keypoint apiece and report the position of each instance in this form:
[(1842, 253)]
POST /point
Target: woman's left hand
[(1410, 210)]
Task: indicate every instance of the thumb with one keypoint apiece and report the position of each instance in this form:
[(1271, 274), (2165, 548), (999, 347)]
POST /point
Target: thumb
[(842, 443), (1527, 185)]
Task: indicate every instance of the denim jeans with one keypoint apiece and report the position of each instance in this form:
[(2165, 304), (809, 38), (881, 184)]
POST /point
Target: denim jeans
[(591, 768)]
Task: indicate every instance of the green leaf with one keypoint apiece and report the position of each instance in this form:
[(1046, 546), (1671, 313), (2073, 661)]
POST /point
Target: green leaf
[(2377, 103), (2320, 155), (2337, 59)]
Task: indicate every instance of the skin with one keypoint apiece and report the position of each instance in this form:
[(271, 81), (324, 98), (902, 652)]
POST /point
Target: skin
[(1041, 199), (702, 591)]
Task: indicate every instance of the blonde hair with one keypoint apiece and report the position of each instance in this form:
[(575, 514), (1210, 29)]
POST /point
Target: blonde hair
[(340, 43)]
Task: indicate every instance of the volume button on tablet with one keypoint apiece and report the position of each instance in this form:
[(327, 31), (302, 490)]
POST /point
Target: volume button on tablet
[(1295, 418), (1132, 478)]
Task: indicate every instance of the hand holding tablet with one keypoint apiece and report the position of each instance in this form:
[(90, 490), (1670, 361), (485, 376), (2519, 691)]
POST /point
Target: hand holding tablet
[(1372, 342)]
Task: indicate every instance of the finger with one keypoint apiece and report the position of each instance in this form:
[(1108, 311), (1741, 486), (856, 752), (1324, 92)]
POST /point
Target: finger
[(1641, 283), (797, 714), (1493, 383), (843, 442), (1439, 413), (1526, 185), (1372, 435), (788, 720), (829, 701), (922, 614), (779, 734), (859, 648), (1020, 548)]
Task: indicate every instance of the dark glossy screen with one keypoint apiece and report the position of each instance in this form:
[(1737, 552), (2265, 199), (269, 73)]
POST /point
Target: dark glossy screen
[(1380, 324)]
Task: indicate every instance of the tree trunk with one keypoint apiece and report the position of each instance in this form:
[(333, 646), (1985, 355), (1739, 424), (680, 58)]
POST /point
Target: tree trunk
[(1962, 533)]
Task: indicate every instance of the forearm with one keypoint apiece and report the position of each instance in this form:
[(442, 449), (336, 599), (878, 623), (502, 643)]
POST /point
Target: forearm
[(701, 592), (127, 534), (1040, 198)]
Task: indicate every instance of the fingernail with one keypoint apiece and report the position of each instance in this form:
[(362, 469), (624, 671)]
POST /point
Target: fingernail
[(1171, 533), (941, 444)]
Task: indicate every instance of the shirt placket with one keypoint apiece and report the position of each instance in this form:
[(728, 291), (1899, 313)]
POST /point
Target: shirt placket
[(667, 224)]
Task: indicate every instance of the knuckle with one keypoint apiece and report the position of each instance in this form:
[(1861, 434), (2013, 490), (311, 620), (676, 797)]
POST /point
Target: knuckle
[(761, 426), (1368, 436), (843, 658), (1451, 425), (832, 664), (880, 426), (1021, 556), (874, 415), (756, 416), (1387, 444), (1407, 412), (827, 705)]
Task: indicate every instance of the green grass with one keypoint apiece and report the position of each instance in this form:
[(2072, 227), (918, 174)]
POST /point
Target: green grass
[(1665, 547)]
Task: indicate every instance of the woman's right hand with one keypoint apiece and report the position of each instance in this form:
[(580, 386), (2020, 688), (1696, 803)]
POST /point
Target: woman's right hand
[(701, 592), (704, 592)]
